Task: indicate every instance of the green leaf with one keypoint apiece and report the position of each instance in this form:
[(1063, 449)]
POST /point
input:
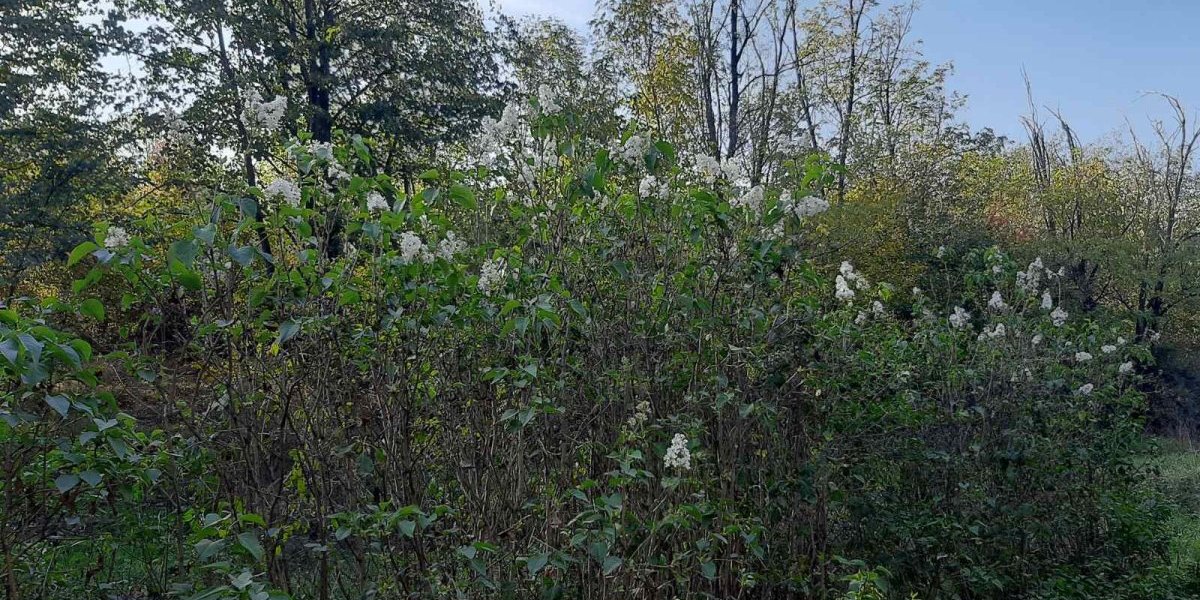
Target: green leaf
[(248, 206), (611, 564), (205, 549), (463, 196), (249, 541), (288, 330), (119, 447), (10, 351), (536, 562), (60, 404), (81, 251), (407, 528), (66, 482), (92, 308), (92, 478), (185, 251), (188, 278), (244, 255)]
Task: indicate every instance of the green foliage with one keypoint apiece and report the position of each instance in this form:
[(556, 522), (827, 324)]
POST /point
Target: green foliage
[(577, 368)]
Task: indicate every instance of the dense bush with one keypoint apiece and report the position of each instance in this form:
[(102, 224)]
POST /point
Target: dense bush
[(569, 371)]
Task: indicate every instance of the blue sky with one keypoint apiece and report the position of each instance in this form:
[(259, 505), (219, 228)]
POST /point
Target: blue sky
[(1093, 60)]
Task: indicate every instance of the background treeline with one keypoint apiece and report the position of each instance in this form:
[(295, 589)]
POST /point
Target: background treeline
[(430, 329)]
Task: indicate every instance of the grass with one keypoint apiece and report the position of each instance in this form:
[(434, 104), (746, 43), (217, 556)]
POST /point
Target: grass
[(1177, 475)]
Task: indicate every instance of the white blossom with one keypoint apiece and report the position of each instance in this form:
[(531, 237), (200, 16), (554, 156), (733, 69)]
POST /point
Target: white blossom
[(1047, 300), (411, 248), (678, 455), (708, 168), (752, 199), (376, 202), (1031, 278), (116, 237), (1125, 368), (491, 276), (996, 302), (284, 188), (548, 100), (805, 207), (640, 415), (1108, 348), (1037, 339), (852, 276), (1085, 389), (651, 187), (960, 318), (992, 332), (843, 292), (450, 246), (1058, 317), (267, 115), (1082, 356), (633, 151)]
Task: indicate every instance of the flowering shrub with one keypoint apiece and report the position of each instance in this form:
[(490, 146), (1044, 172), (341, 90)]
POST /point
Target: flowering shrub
[(569, 367)]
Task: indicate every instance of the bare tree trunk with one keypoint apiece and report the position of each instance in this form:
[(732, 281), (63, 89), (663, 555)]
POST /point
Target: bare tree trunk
[(854, 21), (735, 92)]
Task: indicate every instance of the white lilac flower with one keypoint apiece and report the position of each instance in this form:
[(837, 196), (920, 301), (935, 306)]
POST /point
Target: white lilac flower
[(321, 150), (1082, 356), (1085, 389), (1031, 278), (284, 188), (843, 293), (651, 187), (732, 168), (678, 455), (852, 276), (376, 202), (496, 132), (941, 252), (116, 237), (491, 276), (960, 318), (1120, 341), (995, 331), (633, 150), (708, 168), (803, 208), (1037, 339), (752, 199), (548, 100), (877, 307), (1108, 348), (1058, 317), (450, 246), (1125, 368), (861, 317), (267, 115), (1047, 300), (641, 414), (411, 248), (996, 302)]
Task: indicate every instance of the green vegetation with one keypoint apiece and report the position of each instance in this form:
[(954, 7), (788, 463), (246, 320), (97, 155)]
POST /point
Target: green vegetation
[(341, 334)]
